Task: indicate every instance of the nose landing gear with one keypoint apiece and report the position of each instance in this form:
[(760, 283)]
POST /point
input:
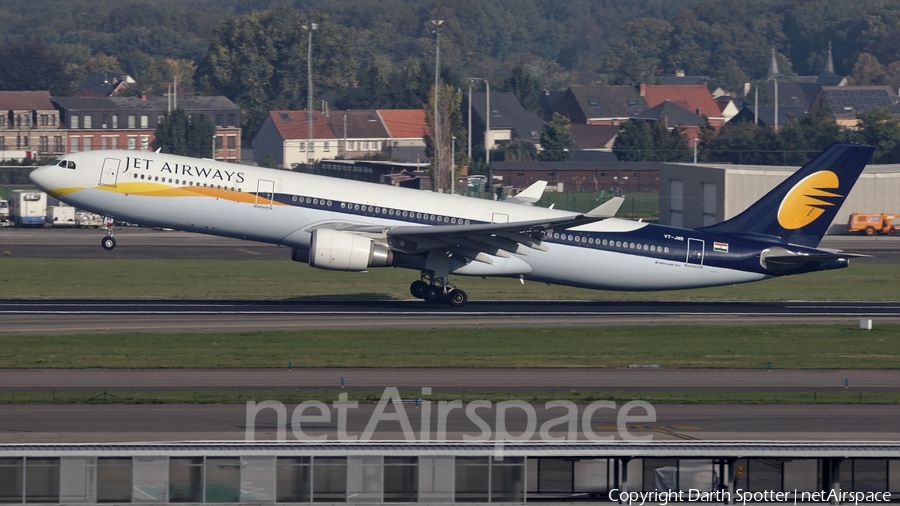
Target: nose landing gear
[(437, 291), (108, 242)]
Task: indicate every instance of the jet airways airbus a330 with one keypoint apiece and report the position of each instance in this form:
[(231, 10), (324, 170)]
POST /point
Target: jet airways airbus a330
[(347, 225)]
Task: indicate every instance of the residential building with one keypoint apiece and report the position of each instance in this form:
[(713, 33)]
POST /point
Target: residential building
[(407, 129), (673, 115), (601, 105), (360, 133), (284, 136), (396, 133), (509, 120), (694, 98), (846, 102), (129, 122), (29, 126)]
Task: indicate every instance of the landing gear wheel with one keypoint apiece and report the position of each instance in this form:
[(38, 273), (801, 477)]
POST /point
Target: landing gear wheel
[(457, 298), (433, 294), (108, 243), (418, 288)]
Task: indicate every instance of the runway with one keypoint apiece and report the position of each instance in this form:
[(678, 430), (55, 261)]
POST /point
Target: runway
[(604, 380), (27, 316), (119, 423)]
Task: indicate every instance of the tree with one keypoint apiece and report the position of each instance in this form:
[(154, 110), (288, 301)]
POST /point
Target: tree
[(669, 144), (634, 143), (556, 139), (449, 125), (520, 150), (879, 128), (33, 67), (867, 71), (180, 134), (525, 87), (259, 60)]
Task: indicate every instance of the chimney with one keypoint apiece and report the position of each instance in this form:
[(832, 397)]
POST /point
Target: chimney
[(143, 97), (643, 89)]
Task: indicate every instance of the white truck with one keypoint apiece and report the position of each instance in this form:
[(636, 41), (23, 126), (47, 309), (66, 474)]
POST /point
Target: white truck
[(28, 208), (61, 216), (4, 213)]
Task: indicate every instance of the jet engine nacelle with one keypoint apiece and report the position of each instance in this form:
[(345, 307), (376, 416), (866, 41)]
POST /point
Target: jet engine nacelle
[(342, 251)]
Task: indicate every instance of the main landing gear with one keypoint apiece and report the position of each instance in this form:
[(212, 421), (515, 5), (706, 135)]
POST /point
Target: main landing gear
[(437, 291), (108, 242)]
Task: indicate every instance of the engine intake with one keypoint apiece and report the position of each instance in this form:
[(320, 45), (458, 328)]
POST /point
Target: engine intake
[(342, 251)]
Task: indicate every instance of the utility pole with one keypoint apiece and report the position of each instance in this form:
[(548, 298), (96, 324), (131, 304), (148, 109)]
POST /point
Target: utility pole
[(436, 28), (309, 93)]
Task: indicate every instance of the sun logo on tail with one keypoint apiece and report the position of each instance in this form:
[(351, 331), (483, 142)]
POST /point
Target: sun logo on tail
[(806, 200)]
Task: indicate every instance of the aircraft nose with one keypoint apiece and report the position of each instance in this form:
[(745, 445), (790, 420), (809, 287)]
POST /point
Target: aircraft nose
[(41, 177)]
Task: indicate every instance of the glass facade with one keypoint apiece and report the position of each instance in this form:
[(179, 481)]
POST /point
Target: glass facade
[(372, 479)]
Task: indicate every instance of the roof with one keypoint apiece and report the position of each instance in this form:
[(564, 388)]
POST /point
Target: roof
[(695, 98), (609, 101), (193, 103), (103, 84), (294, 125), (365, 124), (592, 136), (791, 93), (576, 165), (767, 114), (507, 112), (672, 114), (404, 123), (21, 100), (848, 101)]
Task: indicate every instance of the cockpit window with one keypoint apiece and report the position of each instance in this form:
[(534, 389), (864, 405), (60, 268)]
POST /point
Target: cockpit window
[(70, 164), (62, 163)]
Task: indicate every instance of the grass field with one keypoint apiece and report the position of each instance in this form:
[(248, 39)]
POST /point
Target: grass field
[(220, 279), (751, 347)]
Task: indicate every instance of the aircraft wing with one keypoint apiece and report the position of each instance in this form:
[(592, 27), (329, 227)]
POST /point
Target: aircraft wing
[(476, 241)]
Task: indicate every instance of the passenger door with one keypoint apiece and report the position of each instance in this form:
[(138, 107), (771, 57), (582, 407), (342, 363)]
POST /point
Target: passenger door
[(265, 192), (109, 174), (695, 252)]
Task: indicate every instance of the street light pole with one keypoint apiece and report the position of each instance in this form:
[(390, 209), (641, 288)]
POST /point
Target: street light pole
[(487, 132), (436, 28), (453, 165), (469, 152), (309, 92)]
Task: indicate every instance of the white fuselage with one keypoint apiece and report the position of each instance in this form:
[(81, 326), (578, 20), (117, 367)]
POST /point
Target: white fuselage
[(270, 206)]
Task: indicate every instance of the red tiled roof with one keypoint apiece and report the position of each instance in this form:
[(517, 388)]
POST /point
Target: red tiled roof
[(31, 100), (293, 125), (404, 123), (691, 97)]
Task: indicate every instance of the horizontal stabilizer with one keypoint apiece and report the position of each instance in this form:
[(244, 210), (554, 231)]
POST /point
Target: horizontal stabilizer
[(779, 263), (607, 209)]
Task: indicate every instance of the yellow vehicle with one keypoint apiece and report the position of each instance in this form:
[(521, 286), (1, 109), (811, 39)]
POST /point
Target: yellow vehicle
[(871, 224)]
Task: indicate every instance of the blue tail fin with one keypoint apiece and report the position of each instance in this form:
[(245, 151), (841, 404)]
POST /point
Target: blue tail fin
[(801, 208)]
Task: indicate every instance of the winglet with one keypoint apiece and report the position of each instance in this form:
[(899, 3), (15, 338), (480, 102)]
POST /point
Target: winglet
[(529, 195), (607, 209)]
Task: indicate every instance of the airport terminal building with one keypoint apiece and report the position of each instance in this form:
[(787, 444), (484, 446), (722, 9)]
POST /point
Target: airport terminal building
[(448, 472)]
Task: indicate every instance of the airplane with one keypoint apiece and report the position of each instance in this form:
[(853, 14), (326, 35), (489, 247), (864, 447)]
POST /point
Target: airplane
[(345, 225)]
